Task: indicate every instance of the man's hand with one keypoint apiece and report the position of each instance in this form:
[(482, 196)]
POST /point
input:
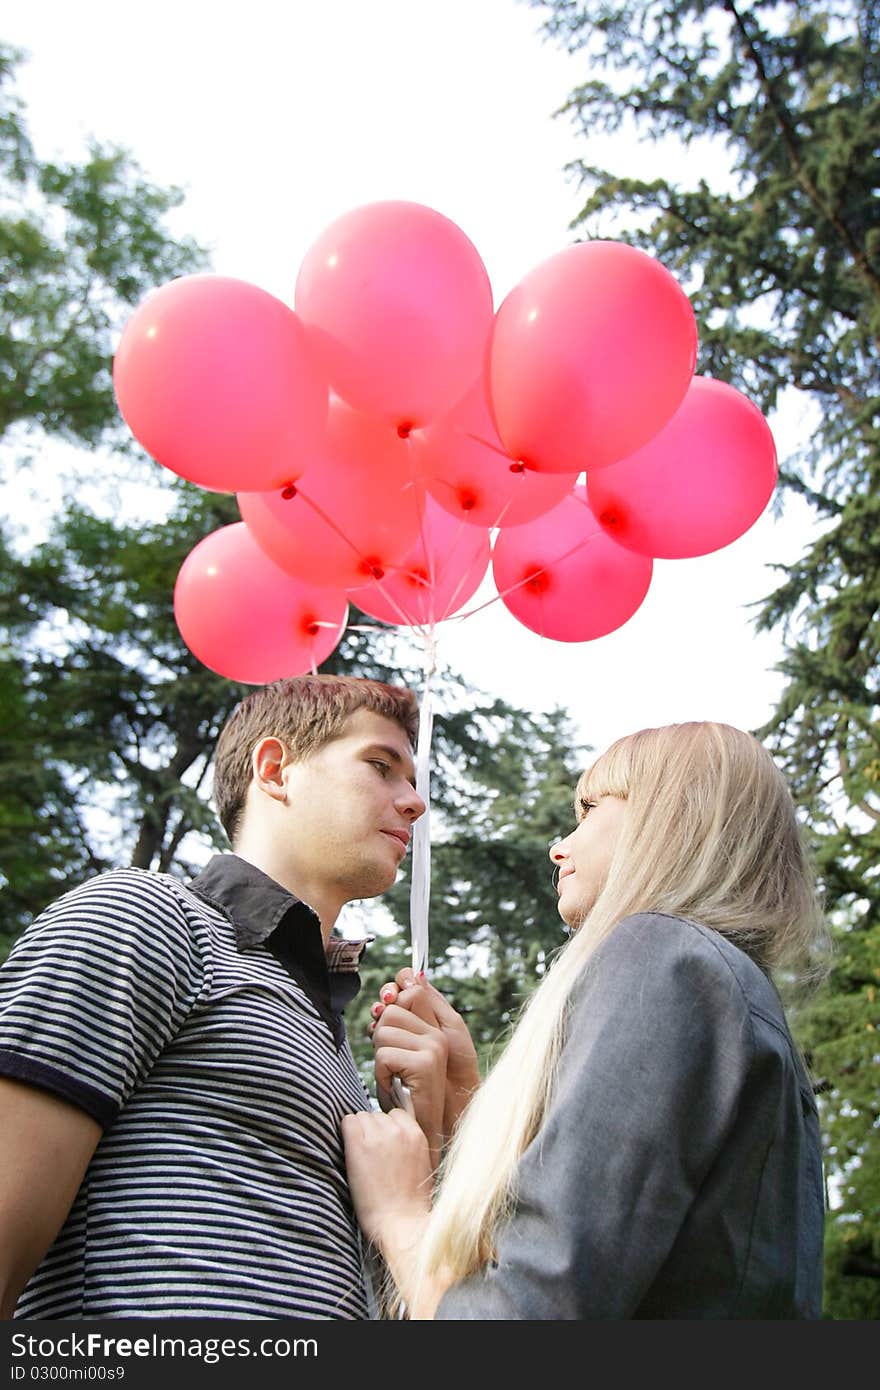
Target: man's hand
[(418, 1034)]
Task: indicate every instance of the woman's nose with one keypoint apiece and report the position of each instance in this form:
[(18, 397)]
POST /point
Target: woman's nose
[(557, 851)]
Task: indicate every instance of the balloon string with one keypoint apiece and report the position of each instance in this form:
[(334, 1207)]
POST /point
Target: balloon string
[(504, 510), (377, 579), (486, 444), (327, 520), (460, 617), (420, 887), (422, 508), (450, 604), (520, 469)]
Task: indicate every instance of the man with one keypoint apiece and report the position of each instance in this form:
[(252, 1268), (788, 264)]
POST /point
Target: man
[(173, 1064)]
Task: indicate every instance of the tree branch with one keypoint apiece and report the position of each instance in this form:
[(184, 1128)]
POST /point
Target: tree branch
[(790, 140)]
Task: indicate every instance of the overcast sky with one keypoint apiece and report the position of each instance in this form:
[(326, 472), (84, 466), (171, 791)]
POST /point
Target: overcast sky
[(278, 117)]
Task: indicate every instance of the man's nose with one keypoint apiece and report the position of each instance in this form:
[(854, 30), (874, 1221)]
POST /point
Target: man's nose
[(411, 804)]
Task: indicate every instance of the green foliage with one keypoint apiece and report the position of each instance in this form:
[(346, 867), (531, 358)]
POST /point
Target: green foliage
[(780, 254), (127, 717), (79, 245), (108, 723)]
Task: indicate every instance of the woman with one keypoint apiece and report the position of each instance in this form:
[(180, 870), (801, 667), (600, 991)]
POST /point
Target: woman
[(648, 1144)]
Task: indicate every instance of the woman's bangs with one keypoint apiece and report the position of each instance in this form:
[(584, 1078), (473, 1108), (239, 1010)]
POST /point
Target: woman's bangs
[(608, 776)]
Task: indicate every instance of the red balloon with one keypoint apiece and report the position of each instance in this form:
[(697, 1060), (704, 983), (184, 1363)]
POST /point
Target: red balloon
[(564, 578), (245, 619), (399, 306), (216, 380), (698, 484), (357, 510), (467, 470), (443, 570), (592, 352)]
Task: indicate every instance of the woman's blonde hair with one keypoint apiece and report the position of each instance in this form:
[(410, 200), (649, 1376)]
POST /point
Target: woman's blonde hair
[(710, 833)]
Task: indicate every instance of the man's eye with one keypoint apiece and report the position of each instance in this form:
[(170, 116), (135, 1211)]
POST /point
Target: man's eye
[(384, 768)]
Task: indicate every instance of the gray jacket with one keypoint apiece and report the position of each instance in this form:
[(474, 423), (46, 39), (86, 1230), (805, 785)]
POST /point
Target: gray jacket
[(678, 1173)]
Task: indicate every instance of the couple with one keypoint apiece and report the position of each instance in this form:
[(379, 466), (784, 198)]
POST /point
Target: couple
[(182, 1128)]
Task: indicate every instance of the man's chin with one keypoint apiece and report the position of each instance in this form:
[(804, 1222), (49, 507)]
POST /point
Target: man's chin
[(376, 882)]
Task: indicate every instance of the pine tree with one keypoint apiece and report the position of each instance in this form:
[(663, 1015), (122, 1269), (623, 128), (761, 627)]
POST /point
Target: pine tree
[(780, 254)]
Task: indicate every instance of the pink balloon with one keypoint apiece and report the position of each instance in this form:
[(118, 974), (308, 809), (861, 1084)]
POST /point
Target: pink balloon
[(443, 570), (467, 470), (564, 578), (356, 511), (245, 619), (216, 380), (399, 306), (698, 484), (592, 352)]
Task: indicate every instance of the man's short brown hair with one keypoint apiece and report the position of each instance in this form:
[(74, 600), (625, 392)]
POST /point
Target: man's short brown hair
[(304, 712)]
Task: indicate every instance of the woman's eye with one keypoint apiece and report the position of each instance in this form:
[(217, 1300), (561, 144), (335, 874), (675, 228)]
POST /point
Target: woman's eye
[(586, 806)]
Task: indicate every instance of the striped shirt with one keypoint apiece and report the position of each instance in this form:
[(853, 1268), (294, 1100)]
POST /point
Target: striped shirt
[(201, 1026)]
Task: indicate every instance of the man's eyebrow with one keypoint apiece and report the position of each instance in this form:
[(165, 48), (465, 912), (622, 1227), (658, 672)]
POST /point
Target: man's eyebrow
[(393, 754)]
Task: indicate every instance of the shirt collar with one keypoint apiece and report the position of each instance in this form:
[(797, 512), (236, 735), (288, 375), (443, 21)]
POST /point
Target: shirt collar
[(257, 905)]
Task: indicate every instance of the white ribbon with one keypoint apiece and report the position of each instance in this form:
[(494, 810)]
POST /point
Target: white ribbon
[(420, 886)]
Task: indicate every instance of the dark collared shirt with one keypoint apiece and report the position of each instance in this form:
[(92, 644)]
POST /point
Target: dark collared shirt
[(265, 914), (201, 1026)]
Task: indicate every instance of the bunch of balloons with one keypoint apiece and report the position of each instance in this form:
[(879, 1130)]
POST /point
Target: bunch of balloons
[(392, 435)]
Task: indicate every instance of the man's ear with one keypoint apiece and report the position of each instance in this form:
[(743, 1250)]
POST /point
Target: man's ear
[(268, 761)]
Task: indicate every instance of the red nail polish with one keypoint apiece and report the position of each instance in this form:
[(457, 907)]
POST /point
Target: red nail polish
[(376, 1010), (386, 996)]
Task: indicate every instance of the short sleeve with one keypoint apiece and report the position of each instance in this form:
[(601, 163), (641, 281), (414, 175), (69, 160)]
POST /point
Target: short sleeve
[(97, 986), (658, 1048)]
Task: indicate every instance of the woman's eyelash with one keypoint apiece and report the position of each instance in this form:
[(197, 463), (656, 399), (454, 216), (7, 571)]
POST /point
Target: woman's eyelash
[(585, 806)]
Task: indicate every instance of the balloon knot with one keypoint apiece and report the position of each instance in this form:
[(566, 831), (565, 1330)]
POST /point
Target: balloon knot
[(467, 501), (517, 467), (312, 628), (539, 582), (374, 570), (288, 491), (404, 431), (610, 519)]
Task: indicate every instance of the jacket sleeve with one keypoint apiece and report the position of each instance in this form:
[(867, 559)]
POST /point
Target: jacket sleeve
[(658, 1048)]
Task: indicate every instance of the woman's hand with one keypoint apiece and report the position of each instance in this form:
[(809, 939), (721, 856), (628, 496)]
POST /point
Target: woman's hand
[(390, 1176), (416, 1051), (420, 1037)]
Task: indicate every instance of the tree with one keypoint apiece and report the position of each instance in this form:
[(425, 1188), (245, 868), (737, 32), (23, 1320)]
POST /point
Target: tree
[(108, 723), (127, 720), (80, 244), (781, 258)]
